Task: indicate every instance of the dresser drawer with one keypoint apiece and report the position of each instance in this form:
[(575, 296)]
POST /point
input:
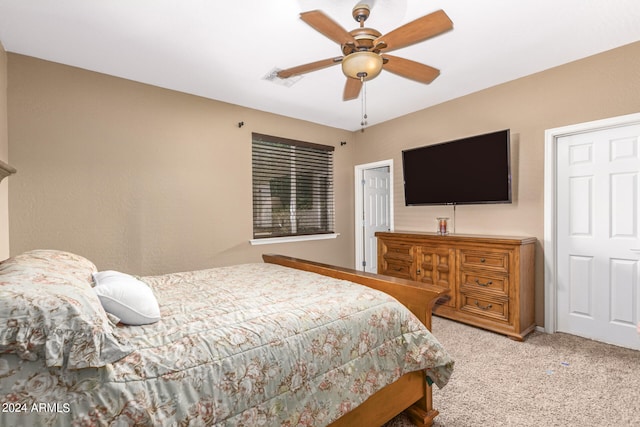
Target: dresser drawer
[(398, 250), (497, 260), (492, 308), (397, 268), (472, 282)]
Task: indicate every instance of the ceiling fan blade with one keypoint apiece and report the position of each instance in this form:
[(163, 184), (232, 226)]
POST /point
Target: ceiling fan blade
[(416, 31), (327, 26), (306, 68), (410, 69), (351, 89)]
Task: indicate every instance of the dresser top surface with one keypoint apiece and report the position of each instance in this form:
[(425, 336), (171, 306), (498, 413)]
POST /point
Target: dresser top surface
[(403, 234)]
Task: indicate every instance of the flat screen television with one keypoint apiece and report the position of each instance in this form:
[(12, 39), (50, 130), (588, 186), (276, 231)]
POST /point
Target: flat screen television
[(470, 170)]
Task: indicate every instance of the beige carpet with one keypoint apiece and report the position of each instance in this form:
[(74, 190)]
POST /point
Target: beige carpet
[(547, 380)]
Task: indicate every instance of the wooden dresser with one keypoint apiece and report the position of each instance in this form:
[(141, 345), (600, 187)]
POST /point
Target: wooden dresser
[(491, 278)]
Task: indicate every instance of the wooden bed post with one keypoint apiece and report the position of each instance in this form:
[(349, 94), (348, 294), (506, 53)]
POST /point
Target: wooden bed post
[(411, 393)]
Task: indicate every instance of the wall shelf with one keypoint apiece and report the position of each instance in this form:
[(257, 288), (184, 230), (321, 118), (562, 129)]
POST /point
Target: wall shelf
[(6, 170)]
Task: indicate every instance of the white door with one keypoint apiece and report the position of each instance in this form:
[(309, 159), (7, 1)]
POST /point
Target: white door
[(376, 212), (598, 240)]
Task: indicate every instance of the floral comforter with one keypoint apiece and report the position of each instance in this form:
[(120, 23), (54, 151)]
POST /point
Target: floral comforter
[(246, 345)]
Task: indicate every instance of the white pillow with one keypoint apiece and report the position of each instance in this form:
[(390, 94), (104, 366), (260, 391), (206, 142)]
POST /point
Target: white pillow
[(126, 297)]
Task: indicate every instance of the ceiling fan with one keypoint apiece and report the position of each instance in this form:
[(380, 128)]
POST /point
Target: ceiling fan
[(365, 49)]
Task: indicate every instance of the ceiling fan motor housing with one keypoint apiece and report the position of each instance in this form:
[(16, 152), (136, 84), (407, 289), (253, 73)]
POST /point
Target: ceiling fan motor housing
[(364, 38), (361, 61)]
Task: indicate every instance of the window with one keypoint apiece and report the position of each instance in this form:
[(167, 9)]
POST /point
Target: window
[(292, 187)]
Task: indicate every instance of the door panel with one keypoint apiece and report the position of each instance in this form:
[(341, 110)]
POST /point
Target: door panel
[(435, 267), (598, 294), (377, 210), (580, 283)]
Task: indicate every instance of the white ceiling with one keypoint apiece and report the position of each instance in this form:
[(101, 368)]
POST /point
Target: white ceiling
[(224, 49)]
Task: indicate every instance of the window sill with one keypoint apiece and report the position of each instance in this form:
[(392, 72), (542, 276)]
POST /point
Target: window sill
[(288, 239)]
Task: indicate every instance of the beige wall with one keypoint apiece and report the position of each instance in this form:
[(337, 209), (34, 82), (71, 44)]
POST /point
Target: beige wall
[(147, 180), (143, 179), (4, 156), (598, 87)]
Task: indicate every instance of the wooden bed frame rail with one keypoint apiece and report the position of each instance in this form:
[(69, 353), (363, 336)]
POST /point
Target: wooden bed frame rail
[(410, 393)]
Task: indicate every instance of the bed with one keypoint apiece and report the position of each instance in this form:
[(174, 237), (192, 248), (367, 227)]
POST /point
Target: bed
[(280, 343)]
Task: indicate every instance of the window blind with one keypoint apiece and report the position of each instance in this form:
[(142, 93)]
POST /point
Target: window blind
[(292, 187)]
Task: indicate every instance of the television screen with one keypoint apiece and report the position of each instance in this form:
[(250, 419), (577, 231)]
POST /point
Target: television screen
[(471, 170)]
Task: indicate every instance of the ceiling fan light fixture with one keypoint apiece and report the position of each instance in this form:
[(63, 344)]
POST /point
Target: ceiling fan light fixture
[(362, 64)]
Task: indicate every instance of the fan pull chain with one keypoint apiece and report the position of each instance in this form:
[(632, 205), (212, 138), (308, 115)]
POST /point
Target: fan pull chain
[(363, 123)]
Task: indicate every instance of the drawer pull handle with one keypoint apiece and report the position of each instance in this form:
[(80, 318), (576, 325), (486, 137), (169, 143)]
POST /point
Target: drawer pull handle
[(487, 307), (482, 260), (418, 271), (479, 283)]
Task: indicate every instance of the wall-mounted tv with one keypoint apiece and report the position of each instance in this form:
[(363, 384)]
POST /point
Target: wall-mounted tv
[(471, 170)]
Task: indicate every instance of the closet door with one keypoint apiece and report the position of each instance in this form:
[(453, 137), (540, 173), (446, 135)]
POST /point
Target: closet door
[(598, 241)]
